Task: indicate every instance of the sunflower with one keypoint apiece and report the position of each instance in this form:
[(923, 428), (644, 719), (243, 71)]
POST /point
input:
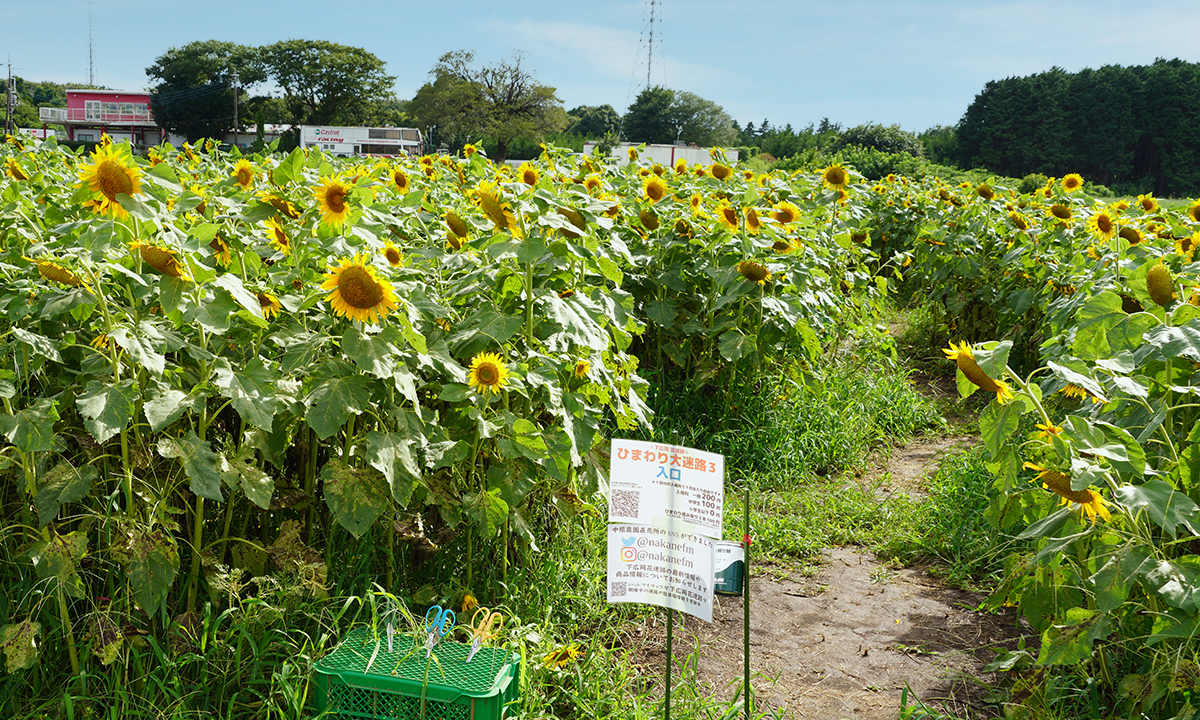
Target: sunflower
[(835, 177), (457, 225), (860, 237), (165, 260), (564, 655), (782, 246), (753, 224), (754, 271), (356, 292), (469, 150), (488, 372), (1102, 225), (1090, 502), (13, 170), (633, 153), (727, 215), (331, 196), (269, 303), (985, 191), (680, 166), (244, 173), (785, 213), (1185, 246), (592, 183), (582, 368), (965, 359), (400, 180), (700, 171), (280, 204), (720, 171), (1147, 203), (649, 219), (1072, 182), (1130, 235), (220, 248), (1077, 393), (528, 173), (1194, 211), (1018, 221), (58, 273), (655, 188), (107, 177), (1060, 211), (498, 212), (392, 253), (279, 239), (1045, 432)]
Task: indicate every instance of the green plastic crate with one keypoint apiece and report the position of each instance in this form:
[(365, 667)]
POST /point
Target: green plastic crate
[(487, 688)]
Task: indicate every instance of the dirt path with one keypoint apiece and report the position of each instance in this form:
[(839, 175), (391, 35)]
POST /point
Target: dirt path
[(845, 643)]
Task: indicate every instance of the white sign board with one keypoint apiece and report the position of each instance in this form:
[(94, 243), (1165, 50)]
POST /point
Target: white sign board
[(660, 567), (667, 487)]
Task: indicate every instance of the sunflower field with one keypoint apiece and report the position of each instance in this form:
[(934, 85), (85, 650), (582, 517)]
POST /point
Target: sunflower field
[(246, 398)]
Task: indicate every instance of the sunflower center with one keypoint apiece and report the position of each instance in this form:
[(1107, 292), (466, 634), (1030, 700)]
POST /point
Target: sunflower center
[(400, 179), (335, 198), (730, 215), (1104, 224), (836, 176), (359, 289), (244, 176), (113, 179), (392, 255), (785, 216), (487, 373)]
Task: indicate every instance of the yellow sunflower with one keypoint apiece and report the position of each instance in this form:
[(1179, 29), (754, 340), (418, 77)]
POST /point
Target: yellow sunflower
[(720, 171), (1102, 225), (469, 150), (488, 372), (562, 656), (244, 173), (1045, 432), (400, 180), (165, 260), (1090, 502), (1185, 245), (13, 170), (592, 183), (835, 177), (633, 153), (280, 204), (1077, 393), (1072, 182), (331, 196), (357, 292), (985, 191), (1018, 221), (269, 303), (279, 239), (727, 215), (680, 166), (754, 271), (220, 250), (582, 368), (753, 224), (786, 213), (488, 197), (655, 188), (108, 176), (1147, 203), (1059, 211), (1193, 211), (965, 359), (1130, 235), (528, 174), (649, 219), (392, 253)]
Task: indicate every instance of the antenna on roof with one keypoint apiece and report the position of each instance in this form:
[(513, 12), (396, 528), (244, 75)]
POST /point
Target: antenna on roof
[(91, 55)]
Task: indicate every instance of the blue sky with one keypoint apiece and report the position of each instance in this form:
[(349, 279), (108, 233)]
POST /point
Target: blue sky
[(916, 63)]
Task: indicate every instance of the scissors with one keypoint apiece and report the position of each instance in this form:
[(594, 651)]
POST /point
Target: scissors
[(437, 623), (484, 630)]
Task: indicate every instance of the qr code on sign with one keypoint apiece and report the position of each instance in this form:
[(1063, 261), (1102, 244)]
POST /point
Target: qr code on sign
[(625, 503), (620, 589)]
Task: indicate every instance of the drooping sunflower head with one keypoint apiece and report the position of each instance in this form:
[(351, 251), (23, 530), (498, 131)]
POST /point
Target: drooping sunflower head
[(269, 303), (720, 172), (331, 196), (1072, 182), (281, 205), (163, 259), (457, 225), (1160, 285), (400, 180), (356, 292), (1091, 503), (985, 191), (753, 223), (108, 176), (1130, 235), (278, 237), (1077, 393), (392, 254), (58, 273), (13, 170), (1060, 211), (785, 213), (1018, 221), (754, 271), (243, 172), (220, 248), (655, 188), (488, 373), (860, 237), (835, 177), (1102, 225), (488, 197), (727, 215), (649, 219), (964, 357), (528, 174)]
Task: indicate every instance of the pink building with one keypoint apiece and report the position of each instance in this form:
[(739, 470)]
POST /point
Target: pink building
[(122, 115)]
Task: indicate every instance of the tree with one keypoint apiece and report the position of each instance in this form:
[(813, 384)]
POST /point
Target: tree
[(661, 115), (31, 96), (501, 100), (325, 83), (593, 122), (941, 144), (889, 139), (194, 96)]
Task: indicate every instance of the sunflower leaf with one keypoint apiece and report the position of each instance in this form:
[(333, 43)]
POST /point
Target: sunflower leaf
[(106, 409), (61, 485), (40, 344), (1164, 505), (19, 643), (372, 353), (394, 455), (331, 403), (201, 464), (356, 497), (31, 429), (242, 472), (249, 390)]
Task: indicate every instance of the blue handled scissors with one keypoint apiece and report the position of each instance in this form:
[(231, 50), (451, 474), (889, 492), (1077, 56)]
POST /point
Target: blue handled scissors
[(437, 623), (485, 629)]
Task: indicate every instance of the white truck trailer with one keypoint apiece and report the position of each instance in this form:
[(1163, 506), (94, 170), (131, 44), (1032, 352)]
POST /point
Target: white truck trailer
[(351, 141)]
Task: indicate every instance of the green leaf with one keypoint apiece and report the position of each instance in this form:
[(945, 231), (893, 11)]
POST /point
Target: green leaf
[(734, 345), (997, 423), (487, 324), (57, 559), (1047, 526), (171, 291), (1112, 582), (243, 472), (1167, 507), (40, 344), (1126, 455), (356, 497), (487, 510), (332, 403), (248, 300), (213, 315), (372, 353), (1076, 378), (19, 643), (61, 485), (1071, 642), (140, 348), (249, 390), (1094, 320), (414, 338), (289, 170), (106, 409), (662, 312), (1181, 341), (153, 561), (1178, 583), (166, 405), (202, 465), (395, 456), (32, 429), (1127, 335)]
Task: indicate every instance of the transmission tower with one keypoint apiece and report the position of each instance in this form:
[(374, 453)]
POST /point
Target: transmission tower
[(91, 54), (650, 51)]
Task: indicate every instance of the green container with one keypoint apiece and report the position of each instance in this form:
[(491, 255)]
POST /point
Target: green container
[(487, 688), (729, 567)]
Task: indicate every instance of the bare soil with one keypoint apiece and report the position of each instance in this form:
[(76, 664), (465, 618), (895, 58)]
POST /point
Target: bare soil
[(845, 642)]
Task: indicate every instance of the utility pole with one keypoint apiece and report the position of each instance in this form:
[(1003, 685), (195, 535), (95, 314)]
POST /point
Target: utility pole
[(8, 101), (235, 108)]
